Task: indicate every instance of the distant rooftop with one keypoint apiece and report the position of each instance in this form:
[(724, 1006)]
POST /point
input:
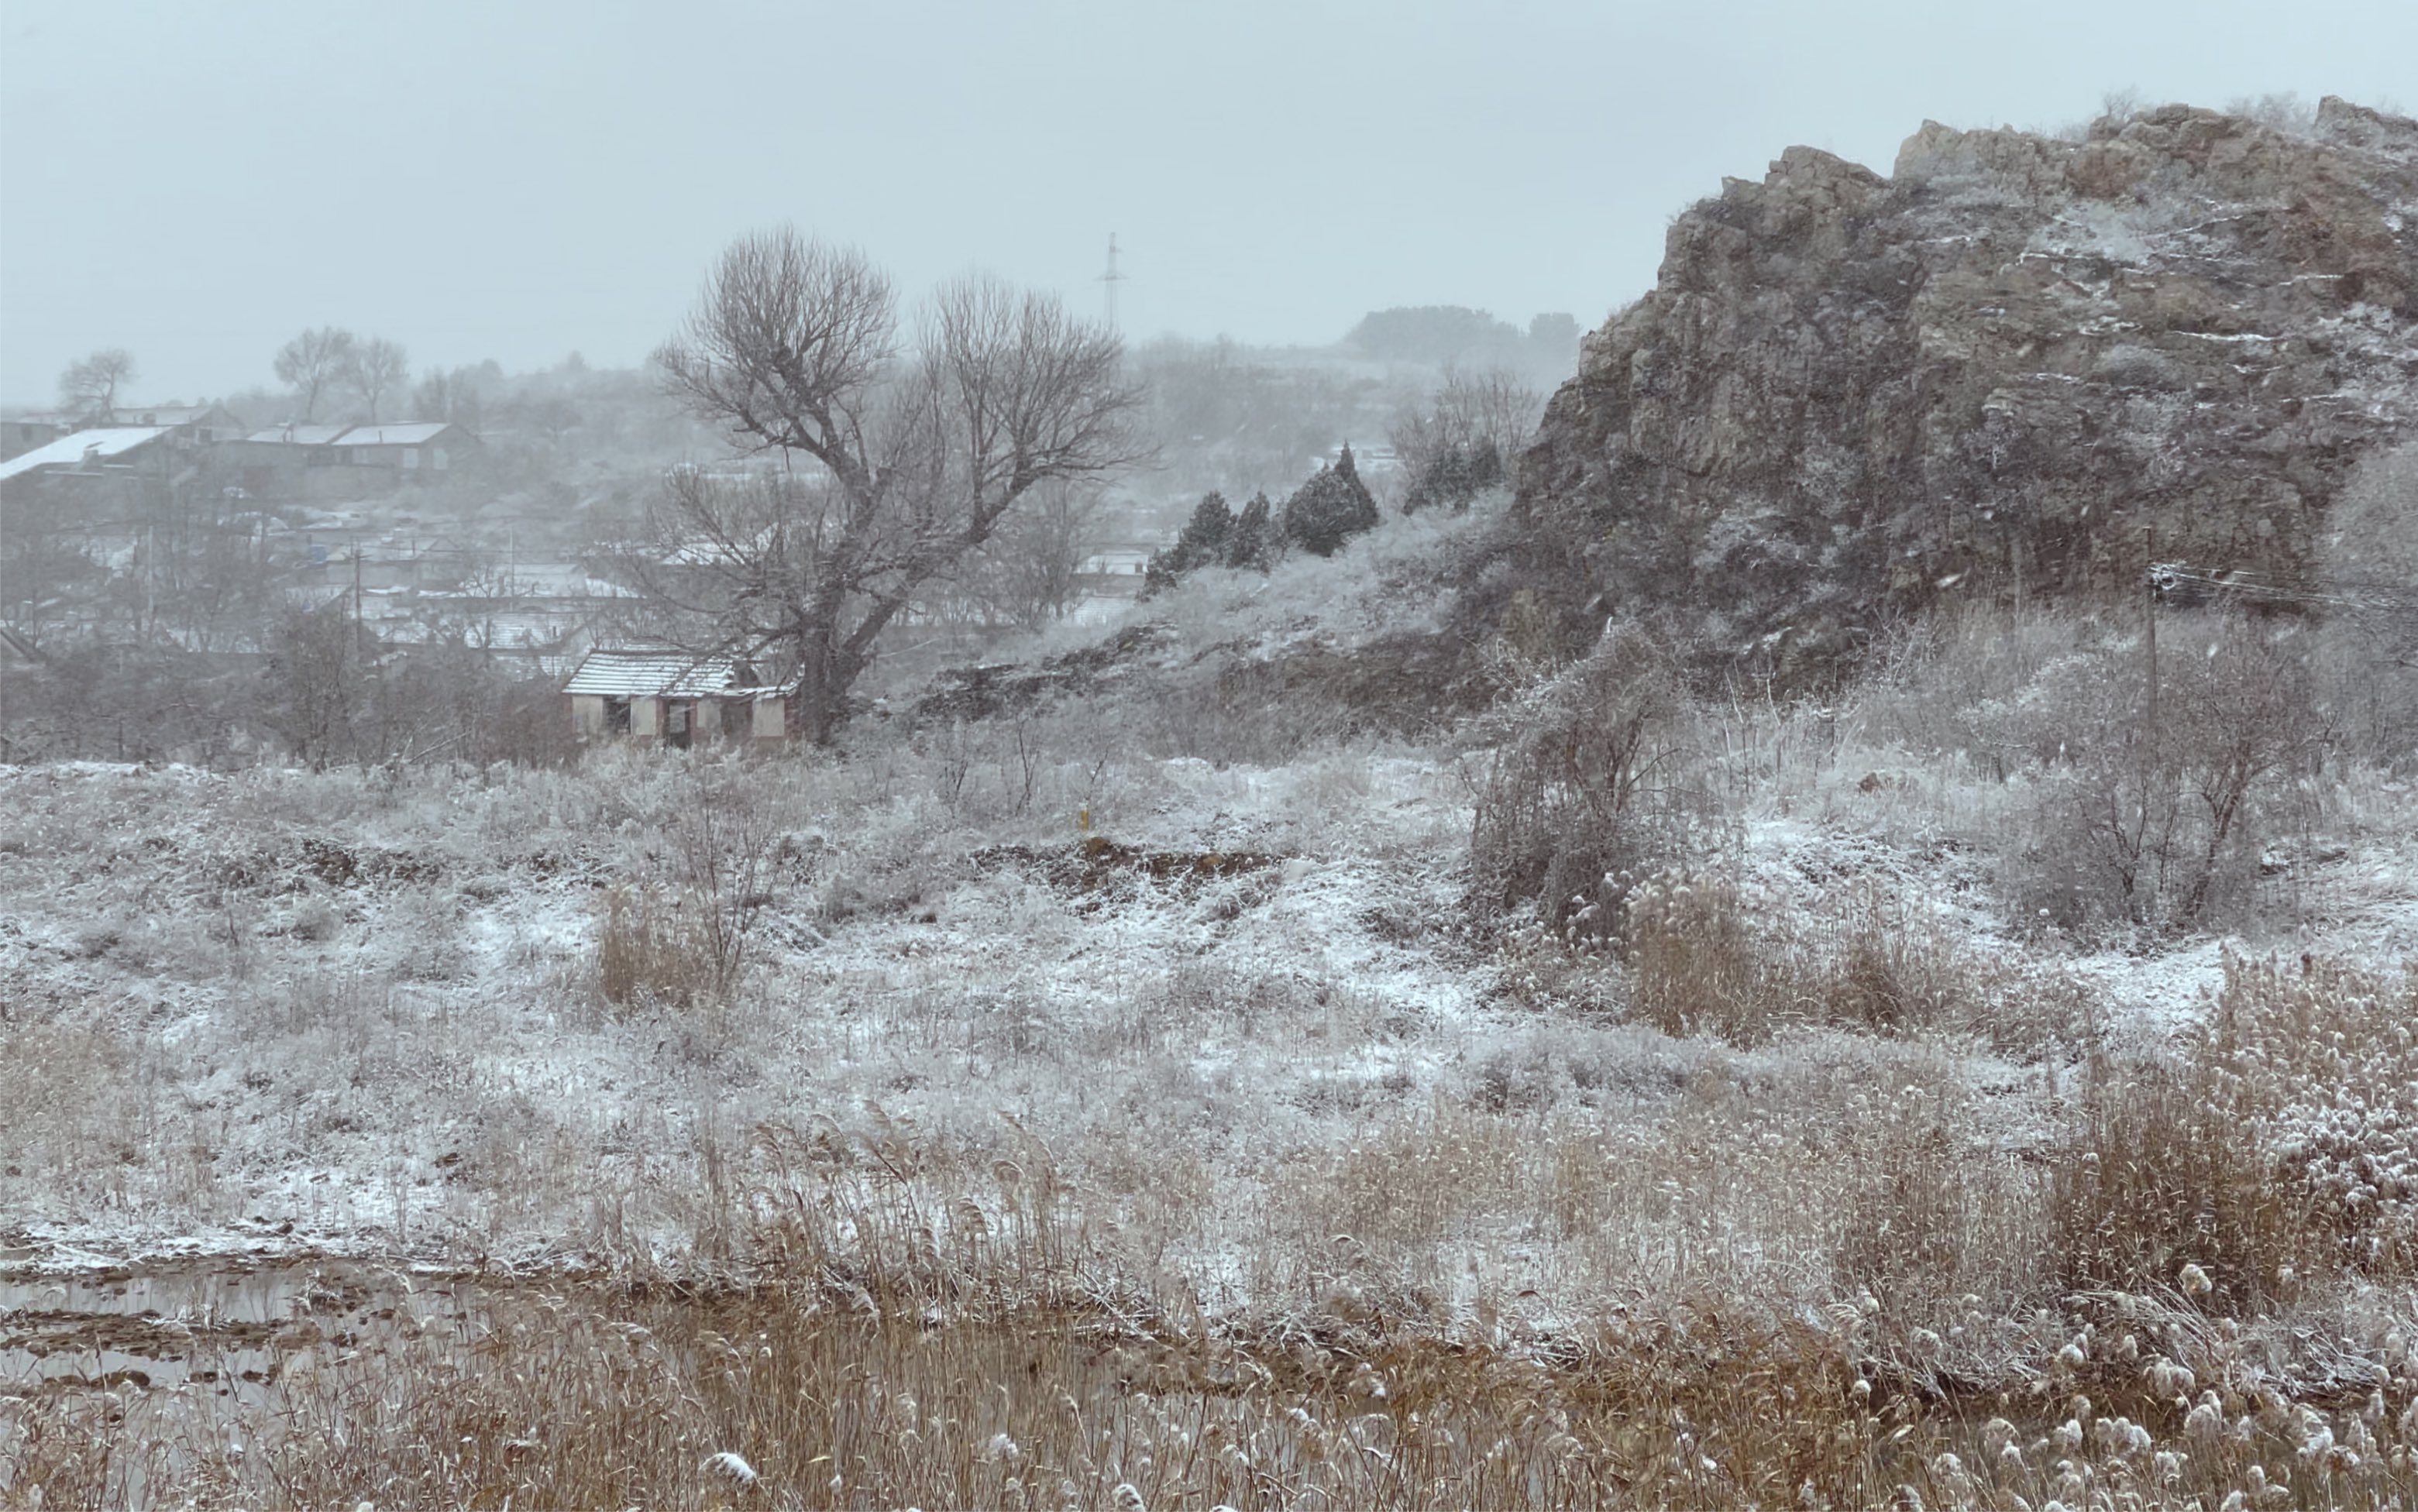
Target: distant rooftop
[(298, 435), (654, 672), (84, 445), (418, 433), (162, 414)]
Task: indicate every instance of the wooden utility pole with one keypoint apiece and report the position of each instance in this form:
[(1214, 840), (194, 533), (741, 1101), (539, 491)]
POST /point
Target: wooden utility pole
[(2150, 614)]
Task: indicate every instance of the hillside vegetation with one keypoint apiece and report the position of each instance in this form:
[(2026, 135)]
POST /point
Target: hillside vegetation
[(1429, 1026)]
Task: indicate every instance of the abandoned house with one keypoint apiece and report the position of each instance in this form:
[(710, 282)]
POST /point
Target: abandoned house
[(655, 693)]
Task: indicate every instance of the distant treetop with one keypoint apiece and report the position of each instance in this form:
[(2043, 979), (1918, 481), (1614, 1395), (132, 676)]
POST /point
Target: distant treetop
[(1449, 334), (1430, 333)]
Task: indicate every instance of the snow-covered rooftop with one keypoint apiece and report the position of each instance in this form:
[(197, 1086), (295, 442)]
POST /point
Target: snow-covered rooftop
[(418, 434), (657, 673), (530, 629), (163, 414), (298, 435), (84, 445)]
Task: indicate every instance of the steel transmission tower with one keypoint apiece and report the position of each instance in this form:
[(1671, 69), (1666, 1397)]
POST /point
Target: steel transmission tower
[(1109, 279)]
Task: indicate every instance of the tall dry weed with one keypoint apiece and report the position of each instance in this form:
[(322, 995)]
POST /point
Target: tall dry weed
[(2283, 1147), (652, 949), (1704, 957)]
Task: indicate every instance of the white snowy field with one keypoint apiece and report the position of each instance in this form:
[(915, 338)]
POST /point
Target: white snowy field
[(1246, 1025), (994, 1039)]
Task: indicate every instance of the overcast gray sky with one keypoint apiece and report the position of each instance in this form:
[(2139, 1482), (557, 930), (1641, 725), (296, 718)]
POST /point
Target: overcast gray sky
[(197, 181)]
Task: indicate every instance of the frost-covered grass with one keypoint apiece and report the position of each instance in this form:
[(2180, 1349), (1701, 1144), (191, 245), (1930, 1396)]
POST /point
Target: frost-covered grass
[(1040, 1023), (375, 1011)]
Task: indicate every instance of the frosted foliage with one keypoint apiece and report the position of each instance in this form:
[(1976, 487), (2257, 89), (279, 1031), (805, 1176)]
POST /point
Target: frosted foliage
[(2327, 1057)]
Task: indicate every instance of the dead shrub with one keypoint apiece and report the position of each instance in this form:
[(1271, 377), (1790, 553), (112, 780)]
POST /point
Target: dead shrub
[(2366, 653), (1694, 966), (1927, 1217), (2327, 1056), (690, 941), (2152, 802), (2161, 1173), (1589, 784), (1887, 969)]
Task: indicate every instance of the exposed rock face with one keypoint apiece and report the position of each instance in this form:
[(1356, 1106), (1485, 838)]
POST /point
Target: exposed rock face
[(1849, 395)]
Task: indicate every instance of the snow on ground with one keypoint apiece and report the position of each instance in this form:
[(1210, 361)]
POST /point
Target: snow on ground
[(361, 1013), (1233, 1029)]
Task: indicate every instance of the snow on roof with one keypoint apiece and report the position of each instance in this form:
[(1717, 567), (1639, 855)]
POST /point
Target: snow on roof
[(298, 435), (163, 414), (530, 629), (418, 434), (656, 674), (84, 445), (558, 580)]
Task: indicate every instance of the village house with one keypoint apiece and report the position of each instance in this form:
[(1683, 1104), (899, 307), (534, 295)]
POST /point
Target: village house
[(188, 426), (199, 424), (20, 434), (116, 451), (400, 559), (656, 693), (344, 461)]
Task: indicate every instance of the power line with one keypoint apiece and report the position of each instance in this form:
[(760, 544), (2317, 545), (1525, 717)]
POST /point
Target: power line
[(2181, 581)]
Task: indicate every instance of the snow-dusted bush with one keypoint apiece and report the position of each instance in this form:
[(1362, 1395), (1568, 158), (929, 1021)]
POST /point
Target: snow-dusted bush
[(2138, 790), (1693, 966), (2327, 1056), (654, 950), (1590, 785), (685, 936), (2157, 800)]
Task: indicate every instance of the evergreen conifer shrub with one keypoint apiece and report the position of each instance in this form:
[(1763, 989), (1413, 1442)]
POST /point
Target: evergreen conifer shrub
[(1203, 542), (1455, 477), (1330, 509), (1253, 543)]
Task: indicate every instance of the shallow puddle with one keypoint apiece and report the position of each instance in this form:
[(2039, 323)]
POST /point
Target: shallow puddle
[(230, 1326)]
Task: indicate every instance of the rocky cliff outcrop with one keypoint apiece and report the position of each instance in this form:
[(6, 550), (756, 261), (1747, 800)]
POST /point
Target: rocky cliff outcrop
[(1849, 395)]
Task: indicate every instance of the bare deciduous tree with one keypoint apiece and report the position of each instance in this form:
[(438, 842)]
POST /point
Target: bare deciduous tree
[(1492, 413), (376, 367), (2367, 561), (313, 362), (1031, 572), (88, 389), (897, 461)]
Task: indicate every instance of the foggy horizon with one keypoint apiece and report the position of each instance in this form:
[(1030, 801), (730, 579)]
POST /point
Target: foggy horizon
[(527, 185)]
